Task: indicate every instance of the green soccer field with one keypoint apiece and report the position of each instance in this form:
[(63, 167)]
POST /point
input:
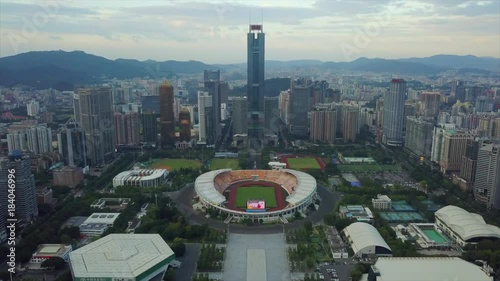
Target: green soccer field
[(175, 164), (303, 163), (245, 193)]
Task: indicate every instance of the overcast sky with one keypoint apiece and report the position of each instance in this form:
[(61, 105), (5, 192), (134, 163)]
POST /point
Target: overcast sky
[(215, 31)]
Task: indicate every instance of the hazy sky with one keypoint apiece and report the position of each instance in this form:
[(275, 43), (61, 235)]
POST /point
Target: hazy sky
[(215, 31)]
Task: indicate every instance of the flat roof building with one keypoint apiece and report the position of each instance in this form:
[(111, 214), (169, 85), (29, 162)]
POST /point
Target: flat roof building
[(97, 224), (47, 251), (132, 257), (365, 240), (425, 269), (382, 202), (357, 212)]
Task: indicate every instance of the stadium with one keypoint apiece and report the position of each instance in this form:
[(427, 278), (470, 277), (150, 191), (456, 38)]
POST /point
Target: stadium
[(267, 195)]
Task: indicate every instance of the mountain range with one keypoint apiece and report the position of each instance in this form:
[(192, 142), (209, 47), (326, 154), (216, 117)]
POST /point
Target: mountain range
[(63, 70)]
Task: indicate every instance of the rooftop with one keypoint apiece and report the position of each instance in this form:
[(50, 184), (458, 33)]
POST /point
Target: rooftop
[(99, 218), (50, 249), (120, 256)]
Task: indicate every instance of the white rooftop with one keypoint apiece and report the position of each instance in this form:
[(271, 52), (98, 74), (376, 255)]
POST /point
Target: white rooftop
[(120, 256), (364, 235), (428, 269), (205, 187), (306, 185), (101, 218)]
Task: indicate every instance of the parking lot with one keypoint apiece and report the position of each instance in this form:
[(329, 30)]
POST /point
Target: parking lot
[(339, 271)]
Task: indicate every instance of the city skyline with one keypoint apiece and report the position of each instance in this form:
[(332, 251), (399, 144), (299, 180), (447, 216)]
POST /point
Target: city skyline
[(354, 28)]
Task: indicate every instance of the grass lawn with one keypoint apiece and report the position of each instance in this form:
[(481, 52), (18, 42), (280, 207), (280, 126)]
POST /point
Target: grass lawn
[(218, 163), (366, 168), (175, 164), (255, 193), (303, 163)]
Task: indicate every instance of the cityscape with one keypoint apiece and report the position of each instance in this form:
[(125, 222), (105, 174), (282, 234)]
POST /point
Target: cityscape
[(362, 169)]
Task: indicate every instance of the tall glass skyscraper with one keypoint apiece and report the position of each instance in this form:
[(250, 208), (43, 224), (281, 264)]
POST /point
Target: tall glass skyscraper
[(394, 107), (255, 84)]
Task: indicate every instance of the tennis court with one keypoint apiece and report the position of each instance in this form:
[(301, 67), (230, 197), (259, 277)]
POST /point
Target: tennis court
[(402, 217)]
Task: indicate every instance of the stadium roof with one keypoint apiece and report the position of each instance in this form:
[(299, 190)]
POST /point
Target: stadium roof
[(306, 185), (466, 225), (428, 269), (205, 187), (120, 256), (364, 235)]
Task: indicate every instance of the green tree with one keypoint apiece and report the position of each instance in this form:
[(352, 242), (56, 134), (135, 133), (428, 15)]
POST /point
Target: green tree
[(54, 262), (178, 247)]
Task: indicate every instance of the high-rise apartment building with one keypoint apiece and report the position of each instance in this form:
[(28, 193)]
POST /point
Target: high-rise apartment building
[(33, 108), (76, 108), (379, 111), (17, 141), (271, 115), (239, 115), (430, 103), (469, 164), (323, 126), (298, 109), (487, 181), (454, 145), (167, 119), (71, 144), (96, 115), (185, 125), (419, 136), (212, 85), (255, 84), (39, 139), (25, 190), (350, 122), (438, 140), (394, 105), (205, 118), (127, 128)]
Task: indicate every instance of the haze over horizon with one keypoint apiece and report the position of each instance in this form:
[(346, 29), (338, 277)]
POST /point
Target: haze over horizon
[(215, 31)]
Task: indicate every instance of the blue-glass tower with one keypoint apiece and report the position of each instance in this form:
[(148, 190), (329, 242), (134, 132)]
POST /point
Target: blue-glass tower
[(255, 84)]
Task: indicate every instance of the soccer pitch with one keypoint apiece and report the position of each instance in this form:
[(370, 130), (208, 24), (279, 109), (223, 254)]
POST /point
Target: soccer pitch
[(175, 164), (245, 193), (303, 163), (217, 164)]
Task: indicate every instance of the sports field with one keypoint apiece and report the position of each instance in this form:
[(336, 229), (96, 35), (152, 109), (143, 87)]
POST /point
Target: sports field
[(245, 193), (219, 163), (367, 168), (303, 163), (174, 164)]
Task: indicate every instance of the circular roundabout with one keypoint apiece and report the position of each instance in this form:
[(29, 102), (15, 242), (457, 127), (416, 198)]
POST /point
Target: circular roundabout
[(258, 195)]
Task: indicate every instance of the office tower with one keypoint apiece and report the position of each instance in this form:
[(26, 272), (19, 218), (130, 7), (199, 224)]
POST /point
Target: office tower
[(469, 164), (473, 93), (211, 75), (419, 136), (205, 117), (350, 123), (394, 105), (33, 108), (458, 90), (76, 108), (239, 115), (96, 114), (298, 109), (454, 145), (271, 115), (39, 139), (483, 104), (17, 141), (149, 127), (379, 110), (284, 101), (430, 103), (25, 191), (127, 128), (323, 126), (224, 91), (487, 181), (167, 119), (185, 125), (71, 145), (150, 104), (255, 84)]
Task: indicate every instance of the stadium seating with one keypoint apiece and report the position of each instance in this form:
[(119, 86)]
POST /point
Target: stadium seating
[(284, 179)]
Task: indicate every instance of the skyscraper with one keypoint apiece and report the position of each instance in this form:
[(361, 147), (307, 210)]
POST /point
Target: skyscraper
[(458, 90), (205, 117), (271, 115), (419, 136), (298, 109), (323, 126), (17, 141), (430, 103), (454, 145), (212, 85), (76, 108), (350, 123), (96, 115), (255, 84), (469, 164), (239, 115), (33, 108), (127, 128), (25, 191), (487, 182), (39, 139), (71, 145), (394, 105), (167, 118), (185, 125)]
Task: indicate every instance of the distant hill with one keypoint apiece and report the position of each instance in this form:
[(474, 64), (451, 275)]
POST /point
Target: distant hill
[(62, 70)]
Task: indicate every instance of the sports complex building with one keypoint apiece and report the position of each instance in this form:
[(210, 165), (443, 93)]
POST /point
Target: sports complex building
[(119, 257), (366, 241), (268, 195), (464, 227), (141, 178)]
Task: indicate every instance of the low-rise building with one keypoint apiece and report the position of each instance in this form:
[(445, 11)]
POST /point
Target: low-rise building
[(382, 202), (111, 203), (97, 224), (366, 241), (68, 176), (357, 212), (44, 195), (47, 251)]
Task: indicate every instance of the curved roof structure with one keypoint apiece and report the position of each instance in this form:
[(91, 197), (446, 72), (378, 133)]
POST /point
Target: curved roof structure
[(466, 225), (364, 235), (306, 185), (205, 187)]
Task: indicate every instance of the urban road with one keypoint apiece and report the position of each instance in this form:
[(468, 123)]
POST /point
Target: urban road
[(183, 199)]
